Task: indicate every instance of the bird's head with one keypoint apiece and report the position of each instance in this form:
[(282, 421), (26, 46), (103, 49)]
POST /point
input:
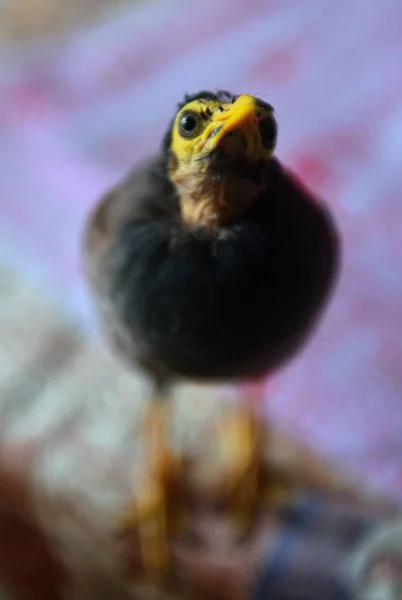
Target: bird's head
[(218, 147)]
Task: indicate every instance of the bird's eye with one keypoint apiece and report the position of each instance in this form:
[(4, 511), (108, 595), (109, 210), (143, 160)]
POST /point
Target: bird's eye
[(268, 131), (188, 125)]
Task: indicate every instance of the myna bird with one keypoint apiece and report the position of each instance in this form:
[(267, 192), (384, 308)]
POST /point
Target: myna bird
[(209, 262)]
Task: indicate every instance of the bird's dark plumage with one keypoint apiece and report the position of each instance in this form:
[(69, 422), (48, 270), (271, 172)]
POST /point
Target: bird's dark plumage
[(208, 262), (229, 302)]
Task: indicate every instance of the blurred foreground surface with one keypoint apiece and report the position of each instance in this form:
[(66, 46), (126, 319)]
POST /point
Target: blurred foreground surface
[(72, 426), (77, 111)]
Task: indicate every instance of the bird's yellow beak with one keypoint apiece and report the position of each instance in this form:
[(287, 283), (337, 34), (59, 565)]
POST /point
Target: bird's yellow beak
[(243, 117), (240, 115)]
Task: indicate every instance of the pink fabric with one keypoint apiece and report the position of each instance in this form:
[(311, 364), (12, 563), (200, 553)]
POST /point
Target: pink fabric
[(77, 113)]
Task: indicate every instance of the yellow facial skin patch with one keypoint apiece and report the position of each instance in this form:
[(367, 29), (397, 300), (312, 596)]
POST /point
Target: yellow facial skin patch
[(208, 138), (212, 121)]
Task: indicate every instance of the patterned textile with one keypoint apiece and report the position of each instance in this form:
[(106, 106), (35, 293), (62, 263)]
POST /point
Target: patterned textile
[(79, 413), (75, 113)]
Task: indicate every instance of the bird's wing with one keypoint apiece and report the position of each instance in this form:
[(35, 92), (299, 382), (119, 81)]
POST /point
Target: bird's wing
[(144, 194), (125, 202)]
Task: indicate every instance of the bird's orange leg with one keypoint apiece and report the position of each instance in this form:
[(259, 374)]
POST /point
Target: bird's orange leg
[(238, 440), (147, 513), (246, 484)]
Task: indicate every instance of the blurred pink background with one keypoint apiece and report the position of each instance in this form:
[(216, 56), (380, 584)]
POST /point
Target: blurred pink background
[(77, 111)]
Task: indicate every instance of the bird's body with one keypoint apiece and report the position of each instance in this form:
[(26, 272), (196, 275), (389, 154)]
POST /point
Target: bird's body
[(210, 262), (231, 303)]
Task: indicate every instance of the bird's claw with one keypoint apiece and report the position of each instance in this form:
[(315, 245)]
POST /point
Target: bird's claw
[(242, 483)]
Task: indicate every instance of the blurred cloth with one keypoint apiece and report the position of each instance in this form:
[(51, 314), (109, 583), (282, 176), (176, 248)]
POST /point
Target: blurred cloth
[(21, 21), (78, 111), (70, 419)]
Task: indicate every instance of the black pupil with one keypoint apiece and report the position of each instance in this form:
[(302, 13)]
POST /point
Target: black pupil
[(189, 123)]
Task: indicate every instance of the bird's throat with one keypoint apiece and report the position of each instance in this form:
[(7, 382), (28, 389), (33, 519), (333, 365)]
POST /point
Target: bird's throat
[(214, 202)]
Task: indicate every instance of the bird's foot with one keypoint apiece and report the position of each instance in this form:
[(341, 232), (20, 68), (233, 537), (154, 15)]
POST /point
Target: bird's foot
[(148, 509)]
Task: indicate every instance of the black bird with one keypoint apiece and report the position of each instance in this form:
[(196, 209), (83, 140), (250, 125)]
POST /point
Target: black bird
[(210, 262)]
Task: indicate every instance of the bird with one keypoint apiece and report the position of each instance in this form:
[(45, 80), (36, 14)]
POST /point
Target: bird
[(209, 262)]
